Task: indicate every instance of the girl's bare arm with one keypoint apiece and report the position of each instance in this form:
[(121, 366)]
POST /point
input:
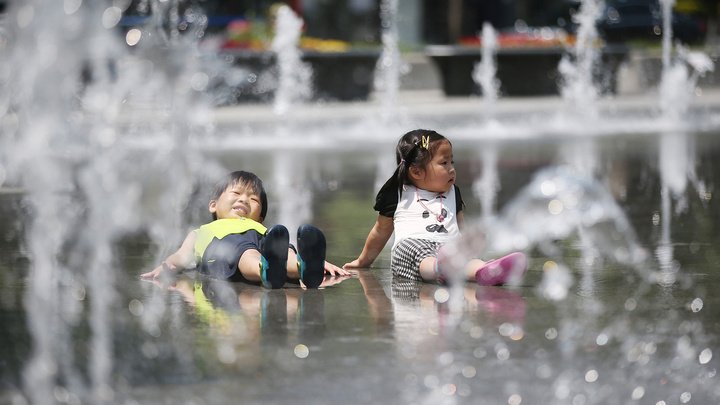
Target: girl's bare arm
[(376, 240)]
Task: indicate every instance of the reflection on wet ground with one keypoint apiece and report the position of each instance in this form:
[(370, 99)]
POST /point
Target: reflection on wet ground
[(615, 337)]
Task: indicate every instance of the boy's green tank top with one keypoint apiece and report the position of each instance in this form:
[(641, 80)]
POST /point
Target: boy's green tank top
[(221, 228)]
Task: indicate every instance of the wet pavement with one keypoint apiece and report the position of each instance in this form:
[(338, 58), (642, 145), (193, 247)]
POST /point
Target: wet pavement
[(581, 327)]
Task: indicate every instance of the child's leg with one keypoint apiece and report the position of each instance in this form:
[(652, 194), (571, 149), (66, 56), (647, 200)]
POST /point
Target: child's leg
[(443, 267), (428, 269), (267, 266), (415, 259), (292, 265), (249, 265), (311, 255)]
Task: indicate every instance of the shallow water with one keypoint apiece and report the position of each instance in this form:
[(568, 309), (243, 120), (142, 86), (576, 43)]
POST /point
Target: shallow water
[(615, 338)]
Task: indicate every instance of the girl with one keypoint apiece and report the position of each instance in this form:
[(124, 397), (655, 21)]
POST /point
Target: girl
[(423, 206)]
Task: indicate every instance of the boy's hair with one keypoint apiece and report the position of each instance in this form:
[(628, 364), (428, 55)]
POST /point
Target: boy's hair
[(415, 148), (245, 179)]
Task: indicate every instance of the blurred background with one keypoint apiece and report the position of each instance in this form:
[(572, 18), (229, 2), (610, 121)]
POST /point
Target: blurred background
[(424, 22)]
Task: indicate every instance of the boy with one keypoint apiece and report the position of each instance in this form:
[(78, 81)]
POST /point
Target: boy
[(237, 246)]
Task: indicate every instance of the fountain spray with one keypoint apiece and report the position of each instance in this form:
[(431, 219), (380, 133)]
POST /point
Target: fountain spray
[(70, 133), (294, 81), (579, 89), (390, 66), (484, 72)]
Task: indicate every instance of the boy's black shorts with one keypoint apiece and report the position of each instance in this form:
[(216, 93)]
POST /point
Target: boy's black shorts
[(222, 255)]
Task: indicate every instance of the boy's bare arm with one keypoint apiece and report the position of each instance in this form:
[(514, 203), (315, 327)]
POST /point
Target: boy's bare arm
[(183, 258), (376, 240)]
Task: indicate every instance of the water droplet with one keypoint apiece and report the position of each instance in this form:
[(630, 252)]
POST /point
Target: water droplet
[(551, 334), (71, 6), (579, 399), (199, 81), (111, 17), (685, 397), (133, 36), (656, 219), (431, 381), (136, 307), (301, 351), (591, 376), (506, 329), (476, 332), (514, 399), (449, 389), (61, 394), (705, 356), (696, 305), (441, 295), (555, 207), (638, 393), (548, 188), (601, 339), (445, 359), (549, 265), (469, 372), (503, 354)]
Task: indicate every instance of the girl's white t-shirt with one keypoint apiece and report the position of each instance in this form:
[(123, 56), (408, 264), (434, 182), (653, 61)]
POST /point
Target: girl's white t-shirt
[(423, 214)]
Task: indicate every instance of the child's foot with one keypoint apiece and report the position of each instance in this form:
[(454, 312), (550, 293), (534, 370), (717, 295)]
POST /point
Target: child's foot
[(273, 262), (311, 255), (502, 270)]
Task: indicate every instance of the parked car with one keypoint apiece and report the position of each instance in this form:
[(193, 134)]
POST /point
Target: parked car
[(624, 20)]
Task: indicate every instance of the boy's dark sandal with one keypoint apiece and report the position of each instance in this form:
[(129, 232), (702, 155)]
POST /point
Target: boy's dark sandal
[(311, 255), (273, 263)]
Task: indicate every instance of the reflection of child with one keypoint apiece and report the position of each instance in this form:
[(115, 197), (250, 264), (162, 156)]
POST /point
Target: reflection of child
[(237, 246), (423, 206)]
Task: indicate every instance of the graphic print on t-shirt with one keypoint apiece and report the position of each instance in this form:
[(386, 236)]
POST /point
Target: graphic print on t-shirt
[(439, 216)]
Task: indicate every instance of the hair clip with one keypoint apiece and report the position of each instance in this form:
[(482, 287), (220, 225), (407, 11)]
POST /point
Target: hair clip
[(425, 142)]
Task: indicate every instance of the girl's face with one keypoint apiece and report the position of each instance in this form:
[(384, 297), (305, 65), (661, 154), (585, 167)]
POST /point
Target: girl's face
[(237, 201), (439, 174)]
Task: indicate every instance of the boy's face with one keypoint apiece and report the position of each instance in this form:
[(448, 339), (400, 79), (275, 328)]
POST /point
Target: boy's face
[(237, 201)]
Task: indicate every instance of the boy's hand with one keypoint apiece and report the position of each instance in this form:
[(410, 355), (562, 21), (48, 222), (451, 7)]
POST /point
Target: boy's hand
[(334, 270), (331, 281), (158, 271)]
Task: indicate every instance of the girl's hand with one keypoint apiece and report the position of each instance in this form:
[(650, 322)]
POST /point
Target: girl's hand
[(334, 270), (355, 264)]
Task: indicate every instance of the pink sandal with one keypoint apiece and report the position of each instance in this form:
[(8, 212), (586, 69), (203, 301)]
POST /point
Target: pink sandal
[(502, 270)]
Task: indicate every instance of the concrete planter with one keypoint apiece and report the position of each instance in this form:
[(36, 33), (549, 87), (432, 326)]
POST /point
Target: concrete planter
[(521, 71), (338, 76)]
